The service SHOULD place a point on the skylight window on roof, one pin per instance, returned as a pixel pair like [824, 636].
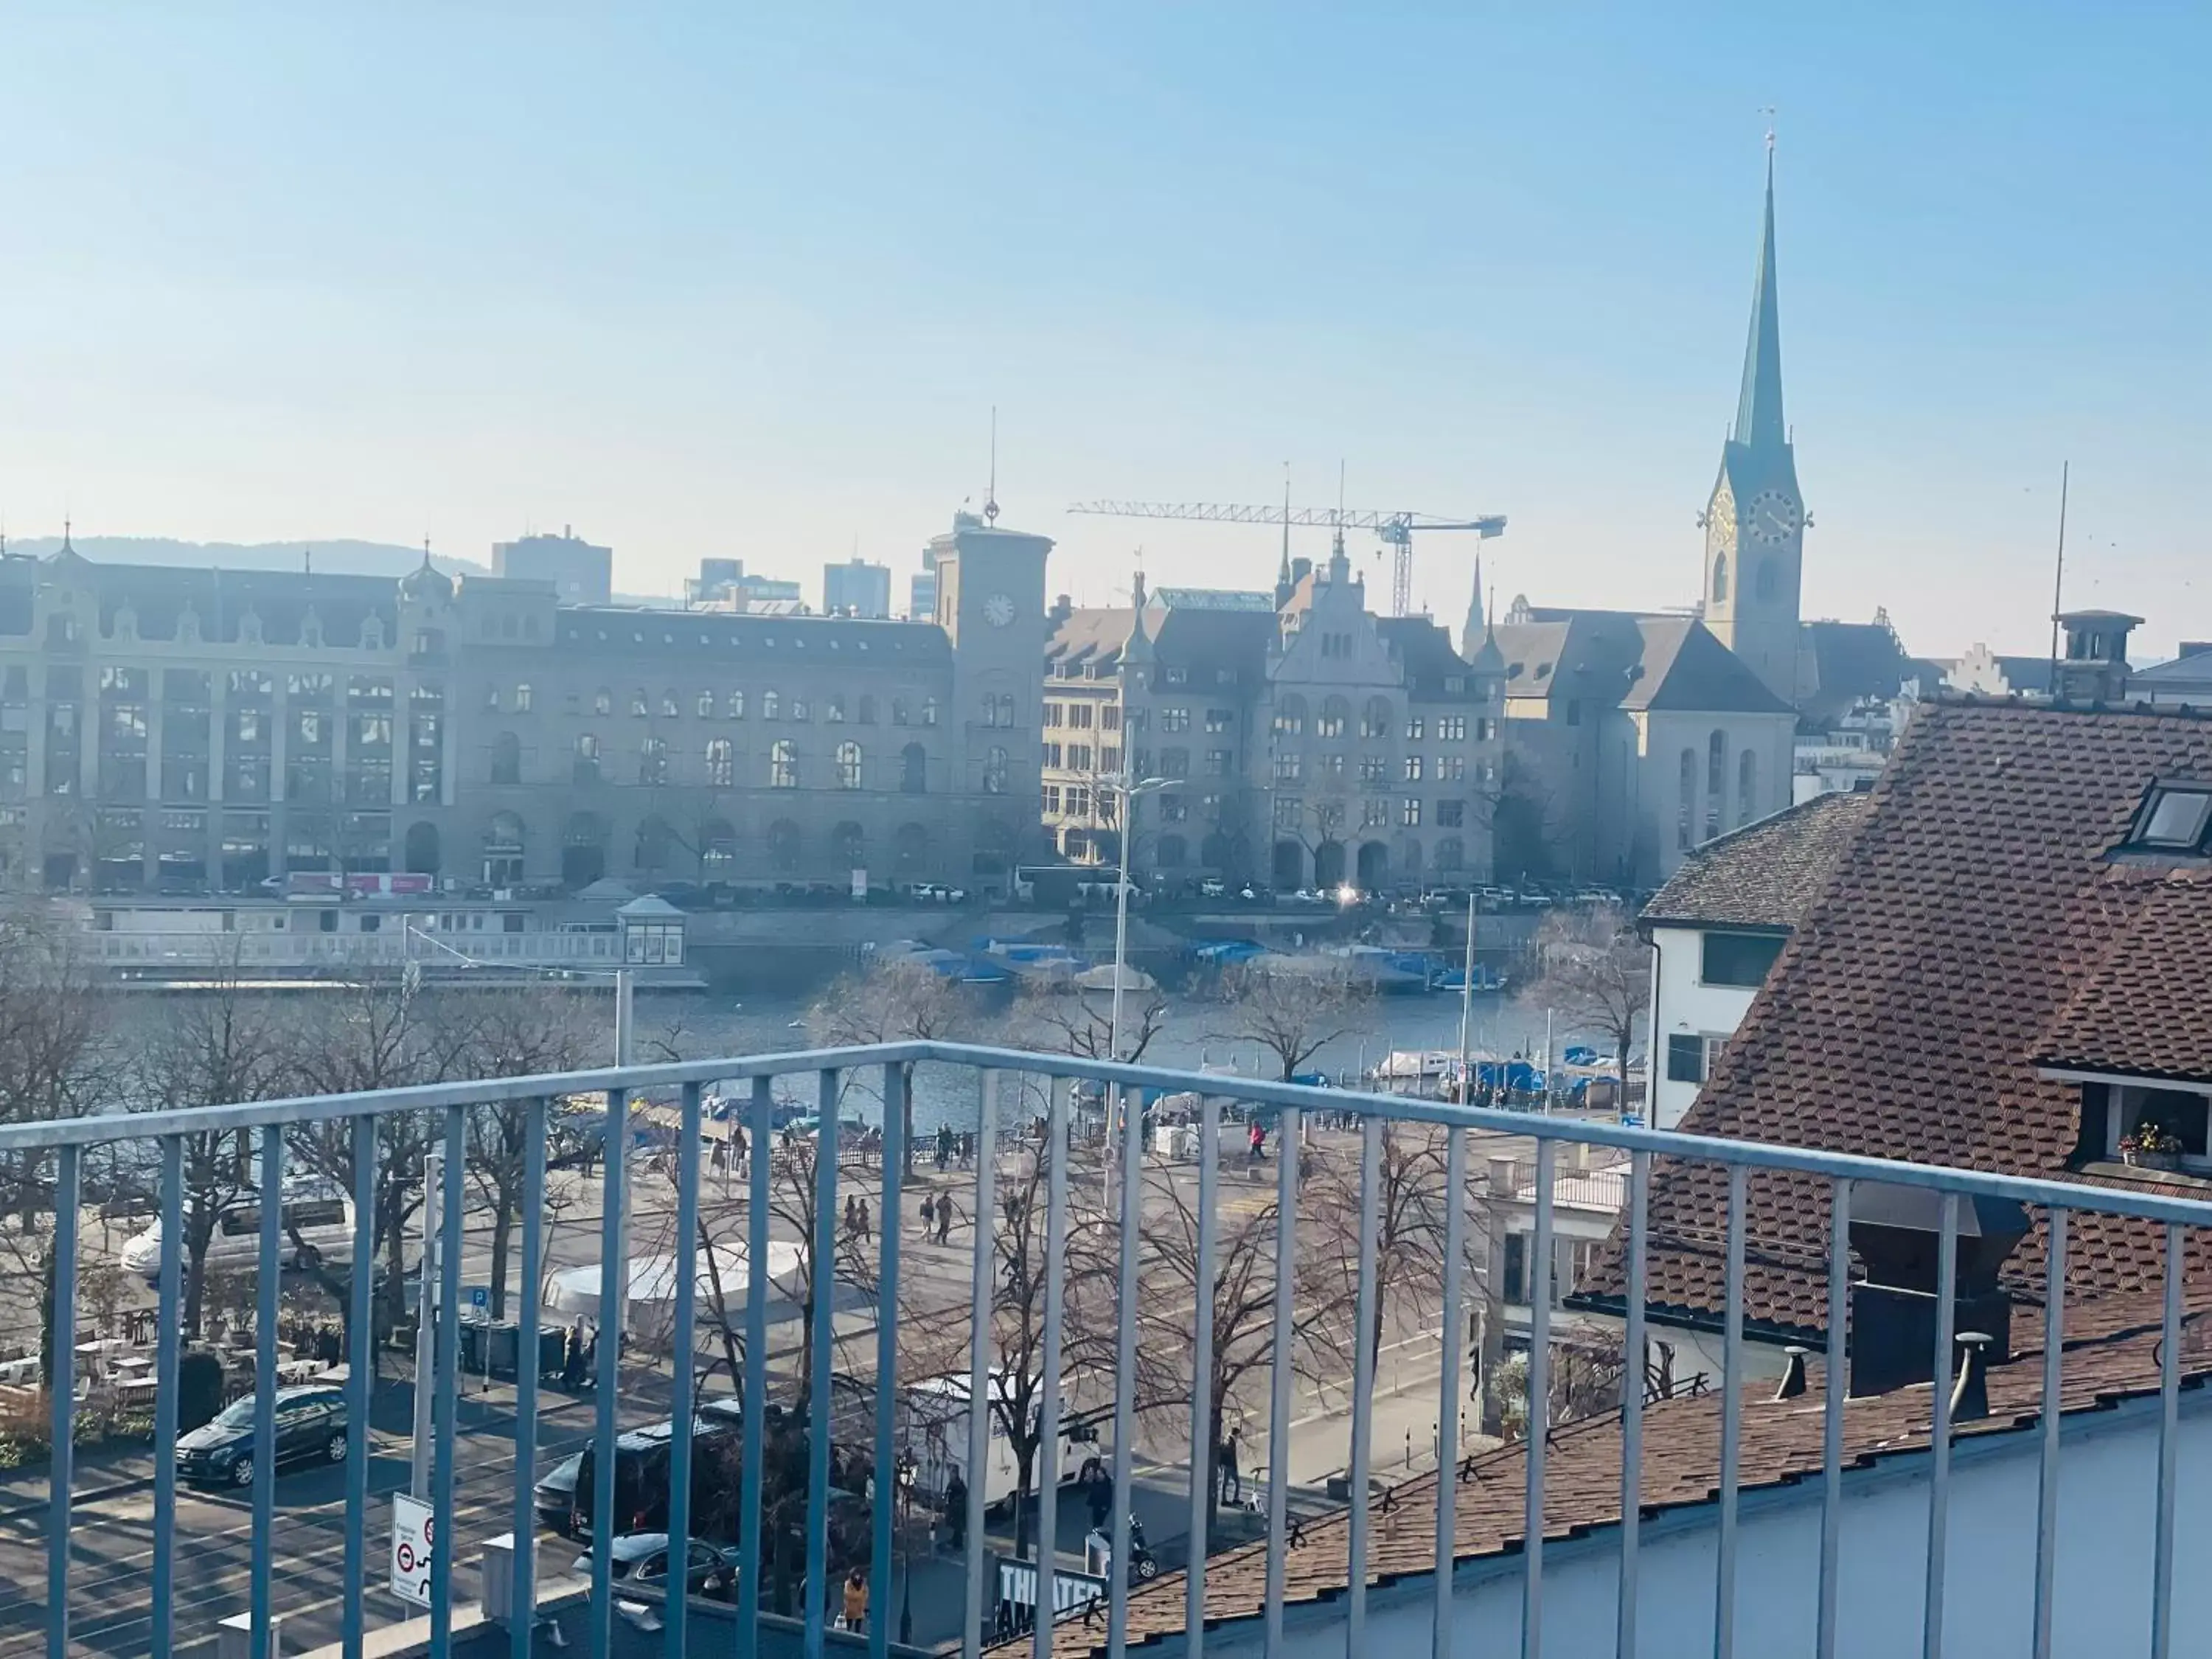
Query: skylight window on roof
[2175, 819]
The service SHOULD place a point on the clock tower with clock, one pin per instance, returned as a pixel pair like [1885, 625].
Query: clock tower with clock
[990, 602]
[1755, 521]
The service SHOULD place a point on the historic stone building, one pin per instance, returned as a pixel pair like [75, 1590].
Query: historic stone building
[202, 731]
[1302, 740]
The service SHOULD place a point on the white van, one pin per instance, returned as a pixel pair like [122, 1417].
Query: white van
[936, 1410]
[320, 1212]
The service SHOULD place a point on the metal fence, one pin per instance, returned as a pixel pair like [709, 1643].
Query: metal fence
[59, 1150]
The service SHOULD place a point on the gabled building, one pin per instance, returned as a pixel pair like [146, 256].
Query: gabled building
[1718, 925]
[1633, 739]
[2004, 971]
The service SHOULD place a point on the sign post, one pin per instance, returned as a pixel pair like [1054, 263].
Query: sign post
[480, 1304]
[413, 1538]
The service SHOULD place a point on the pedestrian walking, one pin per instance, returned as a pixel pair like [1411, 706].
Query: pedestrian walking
[943, 1146]
[955, 1511]
[856, 1600]
[1258, 1141]
[1232, 1477]
[866, 1223]
[943, 1220]
[928, 1214]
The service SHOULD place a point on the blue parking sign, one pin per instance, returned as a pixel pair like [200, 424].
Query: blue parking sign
[479, 1297]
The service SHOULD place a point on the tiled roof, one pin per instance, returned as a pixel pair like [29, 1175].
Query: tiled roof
[2110, 1354]
[1091, 634]
[1634, 661]
[1425, 653]
[656, 632]
[1907, 1015]
[1767, 874]
[2147, 1008]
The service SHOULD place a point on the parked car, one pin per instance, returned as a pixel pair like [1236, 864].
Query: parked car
[316, 1224]
[1212, 887]
[311, 1428]
[642, 1557]
[553, 1497]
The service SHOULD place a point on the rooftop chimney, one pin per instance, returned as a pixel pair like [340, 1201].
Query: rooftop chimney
[2094, 668]
[1300, 569]
[1895, 1231]
[1062, 609]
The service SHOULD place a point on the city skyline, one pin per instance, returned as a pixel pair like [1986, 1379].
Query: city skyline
[542, 283]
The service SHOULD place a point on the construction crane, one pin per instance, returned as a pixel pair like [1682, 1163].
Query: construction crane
[1396, 529]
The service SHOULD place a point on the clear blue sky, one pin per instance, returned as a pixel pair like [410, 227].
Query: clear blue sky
[699, 284]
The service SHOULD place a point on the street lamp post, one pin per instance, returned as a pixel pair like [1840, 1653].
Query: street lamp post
[1119, 783]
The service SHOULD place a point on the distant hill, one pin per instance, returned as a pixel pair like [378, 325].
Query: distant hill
[338, 557]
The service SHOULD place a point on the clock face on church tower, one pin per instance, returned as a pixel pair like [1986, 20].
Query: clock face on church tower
[1774, 517]
[998, 611]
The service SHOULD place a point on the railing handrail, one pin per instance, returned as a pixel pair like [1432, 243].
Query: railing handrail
[1712, 1149]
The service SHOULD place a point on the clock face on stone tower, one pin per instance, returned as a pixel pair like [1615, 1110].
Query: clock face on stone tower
[1774, 517]
[998, 611]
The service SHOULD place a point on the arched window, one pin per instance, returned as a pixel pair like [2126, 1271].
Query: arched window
[929, 711]
[654, 842]
[522, 698]
[783, 765]
[899, 712]
[1720, 578]
[909, 849]
[833, 712]
[722, 763]
[913, 769]
[507, 759]
[994, 771]
[1685, 817]
[641, 705]
[653, 761]
[1747, 786]
[1291, 716]
[588, 758]
[669, 708]
[733, 706]
[603, 701]
[783, 846]
[866, 711]
[849, 846]
[705, 705]
[718, 850]
[1762, 582]
[770, 705]
[1376, 721]
[1716, 782]
[1335, 713]
[848, 766]
[1451, 854]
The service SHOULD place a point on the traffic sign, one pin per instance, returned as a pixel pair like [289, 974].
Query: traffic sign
[479, 1296]
[412, 1541]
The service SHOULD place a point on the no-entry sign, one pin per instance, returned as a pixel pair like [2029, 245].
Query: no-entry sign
[412, 1537]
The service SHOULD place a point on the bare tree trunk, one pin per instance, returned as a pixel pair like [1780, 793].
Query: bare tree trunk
[502, 1234]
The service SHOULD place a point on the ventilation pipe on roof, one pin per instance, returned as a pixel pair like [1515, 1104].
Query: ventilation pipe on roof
[1793, 1379]
[1895, 1231]
[1970, 1394]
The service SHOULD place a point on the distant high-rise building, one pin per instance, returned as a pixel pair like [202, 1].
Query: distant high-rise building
[856, 589]
[580, 573]
[723, 582]
[921, 590]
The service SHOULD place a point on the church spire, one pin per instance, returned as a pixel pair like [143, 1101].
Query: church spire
[1758, 424]
[1284, 587]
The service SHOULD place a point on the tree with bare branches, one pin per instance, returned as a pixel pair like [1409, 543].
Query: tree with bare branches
[1293, 1014]
[888, 1002]
[223, 1044]
[1247, 1280]
[1595, 975]
[1410, 1195]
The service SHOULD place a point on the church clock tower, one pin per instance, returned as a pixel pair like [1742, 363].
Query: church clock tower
[1755, 521]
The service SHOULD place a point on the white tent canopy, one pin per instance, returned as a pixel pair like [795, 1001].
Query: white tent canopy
[1100, 978]
[653, 1280]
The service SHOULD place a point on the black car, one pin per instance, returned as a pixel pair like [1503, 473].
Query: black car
[554, 1497]
[311, 1428]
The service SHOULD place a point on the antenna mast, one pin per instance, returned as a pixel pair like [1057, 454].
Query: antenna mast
[991, 494]
[2058, 580]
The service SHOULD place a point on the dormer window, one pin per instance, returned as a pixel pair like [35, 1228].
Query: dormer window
[2175, 819]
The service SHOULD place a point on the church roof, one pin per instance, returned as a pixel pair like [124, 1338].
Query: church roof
[1634, 662]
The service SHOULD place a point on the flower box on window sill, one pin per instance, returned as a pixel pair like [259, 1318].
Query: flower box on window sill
[2151, 1160]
